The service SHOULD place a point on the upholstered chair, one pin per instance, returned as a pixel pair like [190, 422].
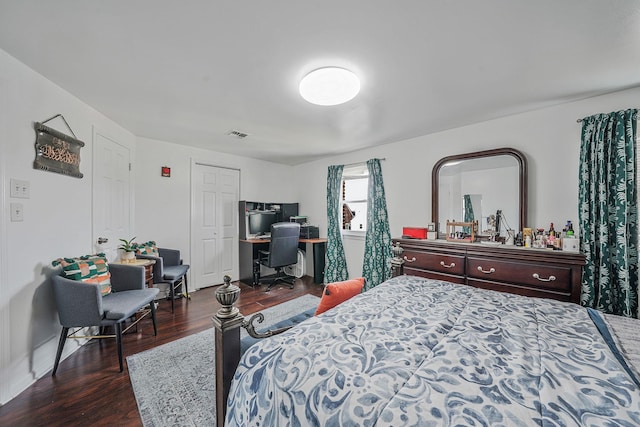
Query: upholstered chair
[82, 305]
[169, 269]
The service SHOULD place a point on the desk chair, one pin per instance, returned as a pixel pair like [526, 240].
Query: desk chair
[283, 251]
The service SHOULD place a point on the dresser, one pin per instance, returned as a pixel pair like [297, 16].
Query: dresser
[525, 271]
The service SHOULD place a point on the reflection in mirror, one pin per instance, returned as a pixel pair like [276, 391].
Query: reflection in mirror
[472, 207]
[475, 186]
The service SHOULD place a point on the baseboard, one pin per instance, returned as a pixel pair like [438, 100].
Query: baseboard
[23, 373]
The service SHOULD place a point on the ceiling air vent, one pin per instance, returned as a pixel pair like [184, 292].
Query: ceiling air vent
[237, 134]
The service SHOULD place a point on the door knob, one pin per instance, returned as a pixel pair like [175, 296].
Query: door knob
[102, 240]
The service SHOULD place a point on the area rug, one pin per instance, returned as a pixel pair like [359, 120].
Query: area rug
[174, 383]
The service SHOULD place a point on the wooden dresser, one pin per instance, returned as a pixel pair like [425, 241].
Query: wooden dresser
[525, 271]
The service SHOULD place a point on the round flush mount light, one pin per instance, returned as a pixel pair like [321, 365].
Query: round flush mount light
[329, 86]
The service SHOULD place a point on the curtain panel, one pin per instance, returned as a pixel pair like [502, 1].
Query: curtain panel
[468, 212]
[608, 208]
[336, 262]
[376, 267]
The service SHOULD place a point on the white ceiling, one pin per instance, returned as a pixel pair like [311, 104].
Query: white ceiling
[190, 71]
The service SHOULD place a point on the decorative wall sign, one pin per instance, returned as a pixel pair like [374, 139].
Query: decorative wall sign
[166, 171]
[57, 152]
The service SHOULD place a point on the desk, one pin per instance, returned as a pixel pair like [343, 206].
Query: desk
[249, 252]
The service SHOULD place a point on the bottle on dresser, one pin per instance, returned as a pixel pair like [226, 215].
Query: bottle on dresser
[570, 229]
[569, 242]
[551, 240]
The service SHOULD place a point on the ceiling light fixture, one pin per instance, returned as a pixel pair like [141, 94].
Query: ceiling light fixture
[329, 86]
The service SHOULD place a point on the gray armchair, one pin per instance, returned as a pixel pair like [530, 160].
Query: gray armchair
[283, 251]
[169, 269]
[81, 305]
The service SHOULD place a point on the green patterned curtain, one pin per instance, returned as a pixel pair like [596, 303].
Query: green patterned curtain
[336, 262]
[468, 212]
[608, 213]
[376, 267]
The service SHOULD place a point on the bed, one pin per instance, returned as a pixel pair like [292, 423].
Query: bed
[415, 351]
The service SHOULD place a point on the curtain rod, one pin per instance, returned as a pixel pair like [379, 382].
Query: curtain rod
[579, 120]
[361, 163]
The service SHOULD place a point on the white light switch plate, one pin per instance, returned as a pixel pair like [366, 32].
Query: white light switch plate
[17, 212]
[19, 189]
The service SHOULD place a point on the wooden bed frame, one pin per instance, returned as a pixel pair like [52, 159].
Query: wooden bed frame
[227, 323]
[426, 259]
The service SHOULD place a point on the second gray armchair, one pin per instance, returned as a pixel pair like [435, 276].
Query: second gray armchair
[169, 269]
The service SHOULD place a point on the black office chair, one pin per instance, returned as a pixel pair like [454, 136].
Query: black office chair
[283, 251]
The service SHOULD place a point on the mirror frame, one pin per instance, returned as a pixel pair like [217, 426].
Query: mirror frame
[520, 158]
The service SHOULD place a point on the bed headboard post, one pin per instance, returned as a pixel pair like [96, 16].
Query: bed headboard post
[226, 323]
[397, 261]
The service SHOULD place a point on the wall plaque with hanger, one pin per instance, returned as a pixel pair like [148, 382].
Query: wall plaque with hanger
[55, 151]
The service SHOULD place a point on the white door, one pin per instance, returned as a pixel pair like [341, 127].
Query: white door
[111, 195]
[214, 224]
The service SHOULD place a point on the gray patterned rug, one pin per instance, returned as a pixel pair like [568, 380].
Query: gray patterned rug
[174, 383]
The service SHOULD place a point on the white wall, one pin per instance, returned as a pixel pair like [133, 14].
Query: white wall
[163, 204]
[57, 219]
[57, 216]
[549, 138]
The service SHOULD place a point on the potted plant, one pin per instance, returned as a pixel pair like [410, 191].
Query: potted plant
[128, 251]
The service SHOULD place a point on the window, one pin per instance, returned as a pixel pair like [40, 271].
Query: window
[355, 182]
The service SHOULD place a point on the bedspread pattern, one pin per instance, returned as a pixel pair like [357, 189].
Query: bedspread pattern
[419, 352]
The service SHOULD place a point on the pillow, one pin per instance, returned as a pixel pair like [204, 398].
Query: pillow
[87, 269]
[338, 292]
[148, 248]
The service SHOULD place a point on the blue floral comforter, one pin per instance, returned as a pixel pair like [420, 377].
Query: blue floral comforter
[419, 352]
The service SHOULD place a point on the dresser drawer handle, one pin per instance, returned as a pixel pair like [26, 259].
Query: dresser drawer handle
[550, 279]
[491, 270]
[413, 259]
[453, 264]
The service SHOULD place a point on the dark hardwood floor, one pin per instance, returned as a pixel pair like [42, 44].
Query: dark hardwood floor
[88, 388]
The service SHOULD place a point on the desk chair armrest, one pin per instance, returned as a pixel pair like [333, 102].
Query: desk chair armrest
[79, 304]
[126, 277]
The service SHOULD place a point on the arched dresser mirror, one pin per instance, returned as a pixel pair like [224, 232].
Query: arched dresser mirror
[474, 186]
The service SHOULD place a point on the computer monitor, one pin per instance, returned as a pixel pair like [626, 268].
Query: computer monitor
[259, 223]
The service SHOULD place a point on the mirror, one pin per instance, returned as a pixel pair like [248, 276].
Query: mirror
[476, 186]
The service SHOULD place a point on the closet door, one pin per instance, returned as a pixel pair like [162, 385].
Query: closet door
[214, 224]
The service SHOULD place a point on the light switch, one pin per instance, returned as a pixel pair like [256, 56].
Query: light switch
[20, 189]
[17, 212]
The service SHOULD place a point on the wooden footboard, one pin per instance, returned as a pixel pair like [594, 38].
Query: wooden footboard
[227, 348]
[227, 323]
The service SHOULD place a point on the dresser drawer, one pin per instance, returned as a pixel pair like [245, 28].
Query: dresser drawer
[435, 275]
[554, 277]
[448, 264]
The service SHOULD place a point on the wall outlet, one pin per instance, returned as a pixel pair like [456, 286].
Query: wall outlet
[20, 189]
[17, 212]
